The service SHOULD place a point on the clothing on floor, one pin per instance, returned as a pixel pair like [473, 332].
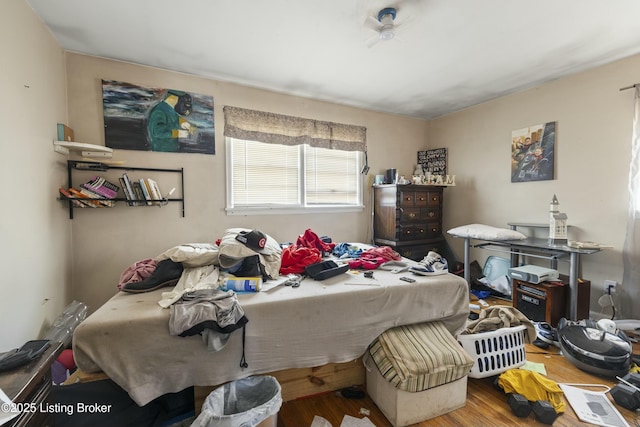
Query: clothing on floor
[533, 386]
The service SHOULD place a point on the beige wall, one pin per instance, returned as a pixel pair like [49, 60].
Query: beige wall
[105, 242]
[36, 253]
[593, 142]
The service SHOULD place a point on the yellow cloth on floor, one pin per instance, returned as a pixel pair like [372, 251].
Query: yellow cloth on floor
[533, 386]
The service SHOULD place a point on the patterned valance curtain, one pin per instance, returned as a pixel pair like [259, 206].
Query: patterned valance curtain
[273, 128]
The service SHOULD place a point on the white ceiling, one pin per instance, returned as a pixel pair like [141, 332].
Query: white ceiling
[452, 53]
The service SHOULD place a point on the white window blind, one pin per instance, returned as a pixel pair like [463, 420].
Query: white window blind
[266, 175]
[331, 176]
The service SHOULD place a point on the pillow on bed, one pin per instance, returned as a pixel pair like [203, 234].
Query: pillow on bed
[486, 232]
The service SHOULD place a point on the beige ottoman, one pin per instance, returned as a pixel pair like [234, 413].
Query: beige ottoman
[417, 372]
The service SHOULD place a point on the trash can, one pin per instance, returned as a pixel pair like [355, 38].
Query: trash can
[249, 402]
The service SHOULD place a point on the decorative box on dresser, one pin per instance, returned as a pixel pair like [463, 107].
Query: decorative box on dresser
[409, 219]
[29, 388]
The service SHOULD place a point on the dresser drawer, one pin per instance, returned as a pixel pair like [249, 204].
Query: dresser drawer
[412, 232]
[434, 229]
[421, 198]
[407, 198]
[430, 214]
[433, 199]
[419, 231]
[419, 214]
[410, 214]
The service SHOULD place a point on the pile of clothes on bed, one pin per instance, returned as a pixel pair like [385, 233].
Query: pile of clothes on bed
[199, 302]
[241, 253]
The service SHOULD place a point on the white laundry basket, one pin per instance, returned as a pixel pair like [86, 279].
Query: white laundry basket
[495, 351]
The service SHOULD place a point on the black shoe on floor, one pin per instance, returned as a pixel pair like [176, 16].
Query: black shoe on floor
[167, 273]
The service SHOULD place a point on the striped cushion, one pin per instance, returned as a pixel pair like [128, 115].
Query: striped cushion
[418, 357]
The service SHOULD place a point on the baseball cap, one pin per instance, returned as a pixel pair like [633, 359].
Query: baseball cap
[254, 239]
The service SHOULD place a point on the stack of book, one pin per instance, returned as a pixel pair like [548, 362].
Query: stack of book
[96, 193]
[141, 192]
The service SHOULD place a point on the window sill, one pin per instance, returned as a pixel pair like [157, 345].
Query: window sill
[292, 211]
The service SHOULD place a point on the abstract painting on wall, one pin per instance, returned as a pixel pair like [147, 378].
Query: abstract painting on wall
[157, 119]
[532, 153]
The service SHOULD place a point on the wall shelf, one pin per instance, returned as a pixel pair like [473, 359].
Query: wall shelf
[87, 150]
[82, 165]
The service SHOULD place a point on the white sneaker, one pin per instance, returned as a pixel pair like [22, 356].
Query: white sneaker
[431, 265]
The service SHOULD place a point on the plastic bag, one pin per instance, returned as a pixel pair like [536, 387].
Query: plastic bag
[63, 327]
[241, 403]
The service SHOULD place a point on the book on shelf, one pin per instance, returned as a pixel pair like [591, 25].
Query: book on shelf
[72, 199]
[146, 191]
[102, 187]
[89, 201]
[128, 189]
[156, 194]
[65, 133]
[123, 185]
[139, 195]
[102, 201]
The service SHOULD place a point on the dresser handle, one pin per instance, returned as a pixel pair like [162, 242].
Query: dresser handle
[412, 215]
[432, 214]
[422, 199]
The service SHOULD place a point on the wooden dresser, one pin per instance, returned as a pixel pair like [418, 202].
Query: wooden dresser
[29, 387]
[409, 219]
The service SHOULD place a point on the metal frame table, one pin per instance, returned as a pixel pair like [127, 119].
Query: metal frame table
[539, 248]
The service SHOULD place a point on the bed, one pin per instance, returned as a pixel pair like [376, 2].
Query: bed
[318, 323]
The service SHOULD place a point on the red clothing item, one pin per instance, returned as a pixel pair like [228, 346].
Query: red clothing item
[384, 252]
[295, 258]
[310, 239]
[374, 257]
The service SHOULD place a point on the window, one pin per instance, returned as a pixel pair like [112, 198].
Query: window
[277, 178]
[278, 163]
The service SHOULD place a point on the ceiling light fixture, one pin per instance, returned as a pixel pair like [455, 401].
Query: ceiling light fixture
[386, 17]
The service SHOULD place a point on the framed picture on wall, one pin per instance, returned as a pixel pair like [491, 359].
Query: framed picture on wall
[157, 119]
[532, 153]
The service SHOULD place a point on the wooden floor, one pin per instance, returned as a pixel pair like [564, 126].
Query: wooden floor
[485, 405]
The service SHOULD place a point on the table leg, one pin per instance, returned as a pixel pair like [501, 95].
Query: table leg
[467, 273]
[515, 257]
[574, 262]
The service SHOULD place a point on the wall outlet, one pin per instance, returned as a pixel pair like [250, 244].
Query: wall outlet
[609, 286]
